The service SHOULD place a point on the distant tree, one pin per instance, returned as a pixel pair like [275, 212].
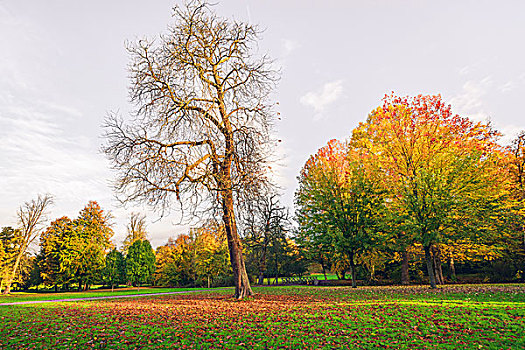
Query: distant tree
[3, 264]
[166, 270]
[284, 259]
[199, 258]
[211, 252]
[316, 247]
[265, 222]
[339, 197]
[87, 250]
[53, 241]
[75, 250]
[140, 263]
[136, 230]
[115, 270]
[31, 216]
[200, 131]
[34, 277]
[9, 246]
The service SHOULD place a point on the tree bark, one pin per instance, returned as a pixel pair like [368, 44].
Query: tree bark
[430, 268]
[240, 277]
[439, 265]
[405, 277]
[352, 271]
[262, 268]
[434, 264]
[452, 268]
[324, 271]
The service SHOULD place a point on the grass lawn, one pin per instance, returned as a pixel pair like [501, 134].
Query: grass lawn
[306, 317]
[22, 296]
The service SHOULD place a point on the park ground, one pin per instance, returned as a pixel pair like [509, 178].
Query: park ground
[284, 317]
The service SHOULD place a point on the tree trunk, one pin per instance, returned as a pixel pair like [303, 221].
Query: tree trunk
[262, 262]
[260, 278]
[405, 277]
[208, 281]
[434, 263]
[452, 268]
[138, 287]
[324, 271]
[439, 265]
[80, 285]
[430, 268]
[240, 277]
[112, 285]
[262, 268]
[352, 271]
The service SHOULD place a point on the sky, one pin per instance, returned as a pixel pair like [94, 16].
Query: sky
[63, 68]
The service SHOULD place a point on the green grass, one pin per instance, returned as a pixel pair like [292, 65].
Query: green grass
[22, 296]
[292, 317]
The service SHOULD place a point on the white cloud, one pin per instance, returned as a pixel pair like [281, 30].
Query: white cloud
[507, 87]
[469, 102]
[509, 133]
[323, 97]
[472, 103]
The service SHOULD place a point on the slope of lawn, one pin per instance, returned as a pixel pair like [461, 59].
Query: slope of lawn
[455, 317]
[22, 296]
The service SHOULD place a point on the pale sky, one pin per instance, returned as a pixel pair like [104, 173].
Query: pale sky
[63, 67]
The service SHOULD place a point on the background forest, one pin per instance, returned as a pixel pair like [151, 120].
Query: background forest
[415, 195]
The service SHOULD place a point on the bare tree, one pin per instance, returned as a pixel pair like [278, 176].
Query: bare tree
[200, 128]
[136, 230]
[265, 221]
[31, 217]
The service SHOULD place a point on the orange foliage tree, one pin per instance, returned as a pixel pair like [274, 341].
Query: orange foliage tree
[442, 171]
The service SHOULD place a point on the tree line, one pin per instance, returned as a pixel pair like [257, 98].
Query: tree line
[72, 252]
[78, 253]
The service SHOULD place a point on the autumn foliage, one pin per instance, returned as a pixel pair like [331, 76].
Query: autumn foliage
[429, 177]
